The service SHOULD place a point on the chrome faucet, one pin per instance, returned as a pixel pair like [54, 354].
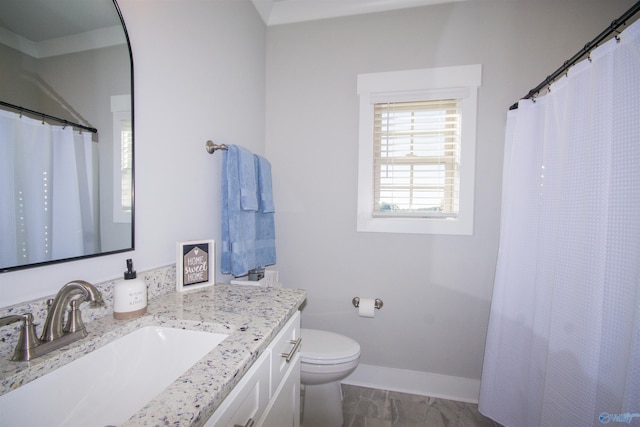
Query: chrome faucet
[55, 334]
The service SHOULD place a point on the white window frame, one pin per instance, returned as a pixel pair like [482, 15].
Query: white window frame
[461, 82]
[121, 111]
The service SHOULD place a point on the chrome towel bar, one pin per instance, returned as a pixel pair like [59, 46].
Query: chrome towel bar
[211, 147]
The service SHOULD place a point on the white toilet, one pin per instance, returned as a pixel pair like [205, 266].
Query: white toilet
[326, 358]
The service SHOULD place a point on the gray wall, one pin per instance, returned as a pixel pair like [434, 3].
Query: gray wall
[14, 87]
[436, 289]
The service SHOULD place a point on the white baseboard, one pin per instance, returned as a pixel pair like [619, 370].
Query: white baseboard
[414, 382]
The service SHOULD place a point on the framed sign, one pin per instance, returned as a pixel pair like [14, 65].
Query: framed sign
[195, 266]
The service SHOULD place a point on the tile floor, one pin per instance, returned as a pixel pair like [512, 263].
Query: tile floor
[366, 407]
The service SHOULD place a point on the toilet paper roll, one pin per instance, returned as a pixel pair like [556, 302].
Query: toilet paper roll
[367, 307]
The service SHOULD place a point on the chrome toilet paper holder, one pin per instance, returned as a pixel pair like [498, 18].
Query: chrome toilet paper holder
[377, 304]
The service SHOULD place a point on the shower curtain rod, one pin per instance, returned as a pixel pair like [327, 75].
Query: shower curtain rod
[584, 51]
[48, 117]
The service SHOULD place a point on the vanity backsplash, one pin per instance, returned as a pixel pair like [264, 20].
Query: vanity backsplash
[159, 281]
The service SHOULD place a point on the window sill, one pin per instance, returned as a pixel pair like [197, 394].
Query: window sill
[459, 226]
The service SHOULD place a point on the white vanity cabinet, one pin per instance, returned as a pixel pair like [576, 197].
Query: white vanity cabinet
[284, 407]
[269, 393]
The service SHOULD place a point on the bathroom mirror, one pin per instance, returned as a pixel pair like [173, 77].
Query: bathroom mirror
[66, 132]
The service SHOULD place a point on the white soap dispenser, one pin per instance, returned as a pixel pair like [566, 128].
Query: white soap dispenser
[129, 296]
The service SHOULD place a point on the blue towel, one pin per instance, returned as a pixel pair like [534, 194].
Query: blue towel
[265, 221]
[264, 185]
[247, 168]
[238, 225]
[248, 224]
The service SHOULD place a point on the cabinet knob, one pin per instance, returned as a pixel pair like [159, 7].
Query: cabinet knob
[289, 356]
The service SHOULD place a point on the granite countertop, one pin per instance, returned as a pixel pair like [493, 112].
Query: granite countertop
[251, 316]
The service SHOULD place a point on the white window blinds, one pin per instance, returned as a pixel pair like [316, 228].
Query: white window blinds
[416, 158]
[126, 164]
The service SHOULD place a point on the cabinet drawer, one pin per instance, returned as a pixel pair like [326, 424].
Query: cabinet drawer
[286, 343]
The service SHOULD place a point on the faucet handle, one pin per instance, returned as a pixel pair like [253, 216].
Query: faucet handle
[74, 320]
[8, 320]
[28, 339]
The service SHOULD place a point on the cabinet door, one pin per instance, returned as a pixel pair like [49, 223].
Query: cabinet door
[284, 407]
[247, 400]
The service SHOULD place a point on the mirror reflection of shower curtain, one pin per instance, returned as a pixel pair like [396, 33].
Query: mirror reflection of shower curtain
[46, 192]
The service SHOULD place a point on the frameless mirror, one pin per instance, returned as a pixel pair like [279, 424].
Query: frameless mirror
[66, 132]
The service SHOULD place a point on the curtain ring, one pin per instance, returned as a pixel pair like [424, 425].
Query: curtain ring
[614, 27]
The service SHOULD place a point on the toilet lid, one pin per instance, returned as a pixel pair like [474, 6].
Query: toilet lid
[327, 348]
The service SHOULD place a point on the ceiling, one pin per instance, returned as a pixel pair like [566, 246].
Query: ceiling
[39, 20]
[277, 12]
[32, 19]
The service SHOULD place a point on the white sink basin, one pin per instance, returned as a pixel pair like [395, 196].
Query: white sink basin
[110, 384]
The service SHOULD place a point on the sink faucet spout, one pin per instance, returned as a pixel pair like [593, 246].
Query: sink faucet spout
[78, 291]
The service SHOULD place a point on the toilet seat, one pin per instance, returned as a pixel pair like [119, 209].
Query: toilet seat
[327, 348]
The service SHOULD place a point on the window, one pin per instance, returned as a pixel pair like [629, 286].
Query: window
[417, 150]
[122, 158]
[416, 157]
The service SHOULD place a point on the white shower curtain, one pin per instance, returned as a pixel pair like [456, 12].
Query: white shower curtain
[563, 346]
[46, 199]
